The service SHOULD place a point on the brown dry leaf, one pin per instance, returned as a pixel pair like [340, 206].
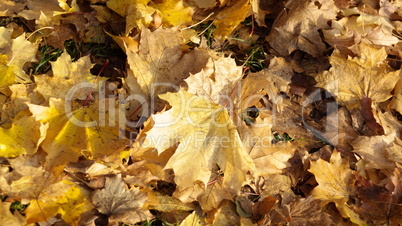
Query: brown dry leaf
[166, 203]
[396, 102]
[378, 204]
[25, 178]
[375, 150]
[308, 211]
[334, 184]
[207, 136]
[159, 64]
[351, 79]
[230, 17]
[296, 28]
[257, 139]
[10, 7]
[347, 33]
[119, 203]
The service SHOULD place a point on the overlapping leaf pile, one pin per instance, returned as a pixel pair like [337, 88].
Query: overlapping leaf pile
[186, 133]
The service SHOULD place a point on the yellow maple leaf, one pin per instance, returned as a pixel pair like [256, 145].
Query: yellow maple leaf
[64, 198]
[21, 138]
[174, 12]
[230, 17]
[91, 131]
[207, 137]
[334, 183]
[351, 79]
[68, 77]
[7, 73]
[140, 13]
[19, 51]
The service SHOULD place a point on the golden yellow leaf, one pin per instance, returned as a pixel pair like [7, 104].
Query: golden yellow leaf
[71, 80]
[21, 138]
[92, 131]
[193, 219]
[207, 138]
[19, 51]
[334, 184]
[64, 198]
[7, 73]
[350, 79]
[230, 17]
[174, 12]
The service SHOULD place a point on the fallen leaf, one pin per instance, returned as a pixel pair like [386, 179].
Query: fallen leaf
[119, 203]
[159, 65]
[19, 51]
[218, 81]
[216, 141]
[8, 218]
[334, 184]
[21, 138]
[70, 80]
[230, 17]
[64, 198]
[308, 211]
[92, 131]
[350, 79]
[296, 28]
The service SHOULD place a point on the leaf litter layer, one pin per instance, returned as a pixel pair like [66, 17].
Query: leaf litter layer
[250, 112]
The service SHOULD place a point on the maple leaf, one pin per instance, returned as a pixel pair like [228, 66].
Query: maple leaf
[141, 13]
[21, 138]
[218, 81]
[297, 27]
[159, 64]
[8, 218]
[64, 198]
[377, 203]
[308, 211]
[19, 51]
[85, 130]
[119, 203]
[351, 79]
[334, 184]
[230, 17]
[21, 95]
[70, 79]
[376, 150]
[207, 137]
[347, 33]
